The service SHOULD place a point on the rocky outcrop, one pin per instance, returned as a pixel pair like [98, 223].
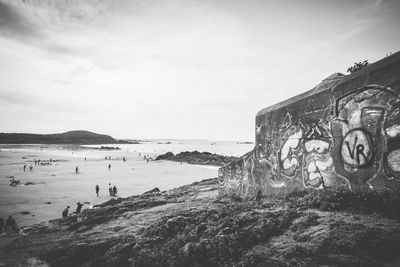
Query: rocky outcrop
[196, 157]
[193, 226]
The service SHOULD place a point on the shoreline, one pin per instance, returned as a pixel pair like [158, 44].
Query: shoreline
[44, 192]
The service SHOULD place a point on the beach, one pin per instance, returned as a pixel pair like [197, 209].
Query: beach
[44, 192]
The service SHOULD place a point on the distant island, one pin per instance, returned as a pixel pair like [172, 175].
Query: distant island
[71, 137]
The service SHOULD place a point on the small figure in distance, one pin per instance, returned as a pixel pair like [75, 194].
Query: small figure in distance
[65, 212]
[85, 158]
[109, 166]
[25, 167]
[78, 207]
[35, 162]
[30, 167]
[1, 225]
[10, 224]
[76, 169]
[114, 190]
[110, 189]
[97, 190]
[124, 159]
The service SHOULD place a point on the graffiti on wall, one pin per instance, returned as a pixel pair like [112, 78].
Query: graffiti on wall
[350, 147]
[362, 120]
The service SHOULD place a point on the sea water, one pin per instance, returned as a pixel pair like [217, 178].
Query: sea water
[44, 191]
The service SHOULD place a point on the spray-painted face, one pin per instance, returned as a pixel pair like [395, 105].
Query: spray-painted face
[318, 163]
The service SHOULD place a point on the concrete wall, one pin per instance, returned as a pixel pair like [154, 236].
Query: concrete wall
[345, 132]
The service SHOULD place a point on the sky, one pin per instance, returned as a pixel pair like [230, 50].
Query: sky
[192, 69]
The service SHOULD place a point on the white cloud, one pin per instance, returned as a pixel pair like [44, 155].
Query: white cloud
[134, 67]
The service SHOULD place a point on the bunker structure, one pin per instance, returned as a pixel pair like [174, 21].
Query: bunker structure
[343, 133]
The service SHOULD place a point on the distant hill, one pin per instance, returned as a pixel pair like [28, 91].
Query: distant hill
[72, 137]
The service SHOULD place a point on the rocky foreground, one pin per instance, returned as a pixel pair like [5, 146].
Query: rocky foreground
[196, 157]
[193, 226]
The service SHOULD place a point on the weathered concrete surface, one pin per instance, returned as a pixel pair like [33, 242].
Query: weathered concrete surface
[345, 132]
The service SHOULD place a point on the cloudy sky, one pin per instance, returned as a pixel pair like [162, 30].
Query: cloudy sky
[175, 68]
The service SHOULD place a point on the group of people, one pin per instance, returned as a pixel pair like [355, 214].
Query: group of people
[8, 225]
[78, 210]
[112, 190]
[37, 163]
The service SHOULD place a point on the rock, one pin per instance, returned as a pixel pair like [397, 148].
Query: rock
[196, 157]
[118, 228]
[152, 191]
[190, 249]
[165, 156]
[292, 230]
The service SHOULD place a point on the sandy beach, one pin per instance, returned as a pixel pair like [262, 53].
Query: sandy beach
[44, 192]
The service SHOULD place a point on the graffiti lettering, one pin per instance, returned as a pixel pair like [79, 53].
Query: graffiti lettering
[356, 148]
[359, 149]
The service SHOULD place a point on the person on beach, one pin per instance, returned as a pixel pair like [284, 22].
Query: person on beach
[109, 166]
[114, 190]
[25, 167]
[65, 212]
[110, 189]
[79, 207]
[10, 224]
[35, 162]
[1, 225]
[97, 190]
[76, 169]
[85, 158]
[30, 168]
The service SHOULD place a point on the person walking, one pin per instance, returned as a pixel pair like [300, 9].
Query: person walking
[115, 191]
[110, 189]
[79, 207]
[25, 167]
[1, 225]
[97, 190]
[65, 212]
[76, 169]
[109, 166]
